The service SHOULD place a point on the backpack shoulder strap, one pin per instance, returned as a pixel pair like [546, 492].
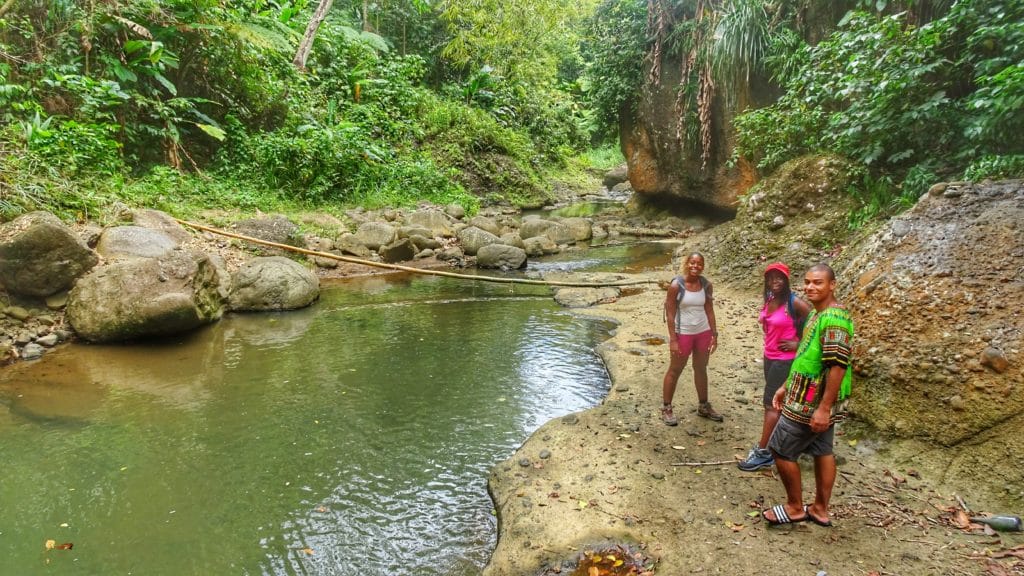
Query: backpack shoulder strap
[791, 309]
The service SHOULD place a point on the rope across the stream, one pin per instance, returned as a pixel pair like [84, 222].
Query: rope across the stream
[355, 260]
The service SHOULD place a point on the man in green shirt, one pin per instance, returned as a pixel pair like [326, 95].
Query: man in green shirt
[818, 380]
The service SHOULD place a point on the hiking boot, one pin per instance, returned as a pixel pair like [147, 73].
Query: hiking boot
[667, 416]
[706, 411]
[757, 459]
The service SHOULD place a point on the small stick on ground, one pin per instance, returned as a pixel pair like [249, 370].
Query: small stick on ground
[718, 463]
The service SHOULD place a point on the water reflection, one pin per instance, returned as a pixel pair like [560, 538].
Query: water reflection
[630, 257]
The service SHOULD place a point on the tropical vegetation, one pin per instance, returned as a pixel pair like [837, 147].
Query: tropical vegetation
[913, 92]
[284, 104]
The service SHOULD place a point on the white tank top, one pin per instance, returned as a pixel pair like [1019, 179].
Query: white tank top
[690, 316]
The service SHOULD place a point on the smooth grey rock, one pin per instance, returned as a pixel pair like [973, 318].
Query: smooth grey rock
[424, 243]
[32, 351]
[40, 256]
[134, 242]
[473, 239]
[350, 244]
[512, 239]
[501, 256]
[143, 297]
[17, 312]
[373, 235]
[455, 211]
[272, 283]
[162, 221]
[486, 224]
[580, 229]
[410, 231]
[539, 246]
[451, 253]
[57, 301]
[276, 229]
[532, 227]
[439, 223]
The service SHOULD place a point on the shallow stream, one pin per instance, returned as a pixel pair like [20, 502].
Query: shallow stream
[352, 437]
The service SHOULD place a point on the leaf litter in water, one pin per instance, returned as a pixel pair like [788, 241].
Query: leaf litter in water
[616, 560]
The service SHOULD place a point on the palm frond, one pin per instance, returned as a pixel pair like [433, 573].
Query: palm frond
[740, 42]
[266, 34]
[373, 41]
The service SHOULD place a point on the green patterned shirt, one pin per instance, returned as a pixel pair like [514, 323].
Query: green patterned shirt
[827, 341]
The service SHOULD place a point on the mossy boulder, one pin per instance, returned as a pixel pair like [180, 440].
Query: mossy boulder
[795, 215]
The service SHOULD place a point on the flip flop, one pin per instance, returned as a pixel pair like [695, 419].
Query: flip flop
[781, 517]
[815, 519]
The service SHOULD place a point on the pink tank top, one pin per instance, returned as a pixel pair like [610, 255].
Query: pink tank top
[778, 326]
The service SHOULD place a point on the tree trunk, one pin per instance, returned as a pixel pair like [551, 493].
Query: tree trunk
[307, 39]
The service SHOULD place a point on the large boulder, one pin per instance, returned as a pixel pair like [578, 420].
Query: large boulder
[558, 232]
[400, 250]
[349, 244]
[531, 227]
[134, 242]
[501, 256]
[373, 235]
[424, 243]
[162, 221]
[580, 229]
[539, 246]
[276, 229]
[272, 283]
[615, 176]
[513, 239]
[40, 256]
[143, 297]
[485, 223]
[937, 355]
[439, 223]
[473, 239]
[933, 295]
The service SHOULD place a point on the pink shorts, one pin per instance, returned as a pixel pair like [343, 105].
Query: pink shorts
[690, 342]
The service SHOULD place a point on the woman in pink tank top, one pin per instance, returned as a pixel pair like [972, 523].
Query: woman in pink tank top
[780, 318]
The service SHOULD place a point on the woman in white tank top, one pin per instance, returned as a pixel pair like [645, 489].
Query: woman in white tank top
[692, 329]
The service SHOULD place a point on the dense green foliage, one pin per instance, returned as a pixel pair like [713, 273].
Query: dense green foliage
[912, 104]
[99, 99]
[197, 103]
[913, 91]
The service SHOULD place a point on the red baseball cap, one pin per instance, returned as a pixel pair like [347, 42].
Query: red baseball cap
[777, 266]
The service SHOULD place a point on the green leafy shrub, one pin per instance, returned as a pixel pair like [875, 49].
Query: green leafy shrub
[912, 104]
[616, 52]
[492, 161]
[995, 167]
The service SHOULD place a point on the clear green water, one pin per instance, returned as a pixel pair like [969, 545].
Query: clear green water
[353, 437]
